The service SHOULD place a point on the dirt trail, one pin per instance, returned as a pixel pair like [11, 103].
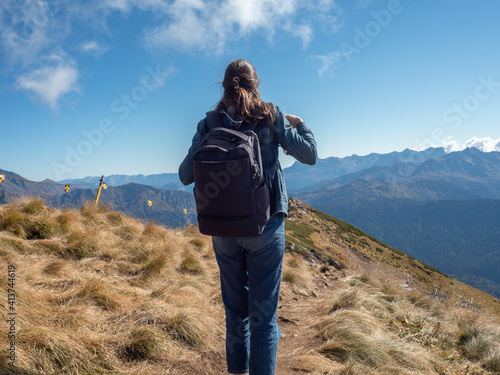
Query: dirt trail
[297, 310]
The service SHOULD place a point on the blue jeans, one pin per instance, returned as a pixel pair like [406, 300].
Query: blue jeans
[250, 272]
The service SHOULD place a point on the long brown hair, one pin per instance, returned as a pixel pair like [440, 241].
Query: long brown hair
[242, 93]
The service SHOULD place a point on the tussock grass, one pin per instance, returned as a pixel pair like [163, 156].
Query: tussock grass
[198, 243]
[370, 329]
[94, 290]
[289, 276]
[492, 362]
[181, 325]
[102, 293]
[116, 219]
[478, 340]
[26, 220]
[9, 243]
[190, 264]
[54, 352]
[354, 335]
[80, 245]
[346, 299]
[295, 271]
[154, 266]
[34, 206]
[315, 364]
[295, 262]
[55, 268]
[141, 344]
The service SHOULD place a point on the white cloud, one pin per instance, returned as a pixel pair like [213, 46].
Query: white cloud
[251, 15]
[49, 83]
[363, 3]
[25, 29]
[32, 33]
[92, 47]
[328, 62]
[485, 144]
[210, 24]
[191, 23]
[449, 146]
[127, 5]
[303, 32]
[34, 26]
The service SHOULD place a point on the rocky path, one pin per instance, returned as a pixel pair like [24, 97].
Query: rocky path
[297, 311]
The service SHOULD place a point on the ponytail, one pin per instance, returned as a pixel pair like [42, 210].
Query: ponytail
[241, 91]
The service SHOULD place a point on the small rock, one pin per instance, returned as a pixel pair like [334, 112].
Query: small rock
[302, 292]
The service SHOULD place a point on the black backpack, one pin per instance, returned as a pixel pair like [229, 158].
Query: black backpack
[232, 197]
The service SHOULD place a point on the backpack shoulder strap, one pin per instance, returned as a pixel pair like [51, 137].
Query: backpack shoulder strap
[214, 120]
[252, 125]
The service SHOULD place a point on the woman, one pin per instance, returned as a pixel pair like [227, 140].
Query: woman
[251, 267]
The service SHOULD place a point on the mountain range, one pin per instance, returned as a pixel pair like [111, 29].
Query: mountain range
[441, 208]
[164, 181]
[167, 205]
[444, 210]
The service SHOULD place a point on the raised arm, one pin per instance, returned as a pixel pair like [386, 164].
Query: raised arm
[295, 137]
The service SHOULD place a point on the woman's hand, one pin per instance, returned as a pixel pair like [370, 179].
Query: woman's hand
[293, 120]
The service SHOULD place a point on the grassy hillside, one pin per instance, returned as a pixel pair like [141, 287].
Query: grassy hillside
[333, 237]
[97, 292]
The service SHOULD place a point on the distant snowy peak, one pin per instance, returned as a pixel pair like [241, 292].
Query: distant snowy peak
[485, 144]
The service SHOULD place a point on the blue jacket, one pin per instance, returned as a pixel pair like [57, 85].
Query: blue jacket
[298, 143]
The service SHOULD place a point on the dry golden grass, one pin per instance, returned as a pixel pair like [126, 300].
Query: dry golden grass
[295, 272]
[101, 293]
[372, 329]
[316, 364]
[98, 292]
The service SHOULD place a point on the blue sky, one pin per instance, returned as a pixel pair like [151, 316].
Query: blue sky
[118, 86]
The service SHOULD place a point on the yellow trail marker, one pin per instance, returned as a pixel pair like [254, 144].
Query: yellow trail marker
[66, 188]
[150, 203]
[98, 192]
[104, 185]
[2, 178]
[185, 211]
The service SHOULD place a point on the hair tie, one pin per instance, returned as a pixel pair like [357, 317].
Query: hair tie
[236, 81]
